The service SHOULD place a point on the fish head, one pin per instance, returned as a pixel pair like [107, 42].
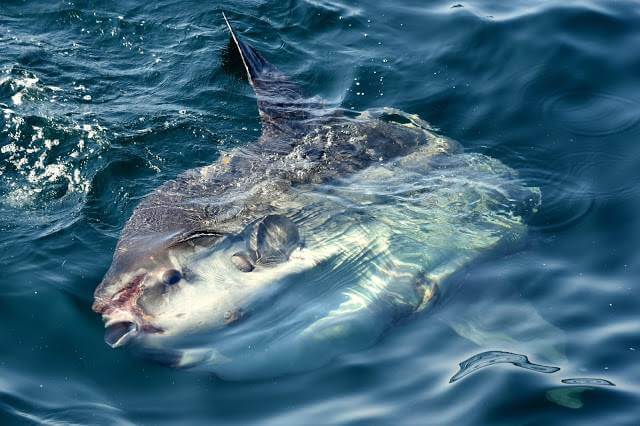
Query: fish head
[159, 290]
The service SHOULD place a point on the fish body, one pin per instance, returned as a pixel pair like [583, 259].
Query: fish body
[307, 244]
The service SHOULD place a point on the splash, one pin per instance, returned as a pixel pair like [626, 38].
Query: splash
[42, 153]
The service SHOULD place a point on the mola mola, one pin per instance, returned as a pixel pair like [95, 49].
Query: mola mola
[309, 243]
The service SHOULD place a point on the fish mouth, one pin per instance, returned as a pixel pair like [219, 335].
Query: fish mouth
[122, 327]
[120, 333]
[124, 319]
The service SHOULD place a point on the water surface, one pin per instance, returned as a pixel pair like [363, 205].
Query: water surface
[103, 101]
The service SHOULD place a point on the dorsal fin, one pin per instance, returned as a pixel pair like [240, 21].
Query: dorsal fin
[282, 105]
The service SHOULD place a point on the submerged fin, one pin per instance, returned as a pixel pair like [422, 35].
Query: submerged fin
[569, 397]
[283, 108]
[520, 328]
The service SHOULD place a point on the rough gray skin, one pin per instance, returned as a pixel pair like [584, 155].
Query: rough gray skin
[224, 197]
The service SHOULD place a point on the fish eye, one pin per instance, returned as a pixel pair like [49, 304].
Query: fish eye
[242, 262]
[171, 276]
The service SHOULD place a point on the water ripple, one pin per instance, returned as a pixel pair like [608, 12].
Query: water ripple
[565, 199]
[549, 88]
[587, 381]
[589, 113]
[486, 359]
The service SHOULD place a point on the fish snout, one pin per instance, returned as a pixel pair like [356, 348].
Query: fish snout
[99, 305]
[123, 319]
[110, 294]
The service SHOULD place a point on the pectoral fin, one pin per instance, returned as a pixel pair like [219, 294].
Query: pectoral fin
[273, 239]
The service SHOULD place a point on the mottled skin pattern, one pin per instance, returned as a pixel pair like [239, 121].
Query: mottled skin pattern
[185, 202]
[237, 189]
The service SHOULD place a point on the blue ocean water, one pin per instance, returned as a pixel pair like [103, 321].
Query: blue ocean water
[104, 101]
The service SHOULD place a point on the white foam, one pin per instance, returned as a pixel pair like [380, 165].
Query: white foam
[29, 166]
[9, 148]
[17, 99]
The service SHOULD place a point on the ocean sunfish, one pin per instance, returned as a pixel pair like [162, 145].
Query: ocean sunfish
[307, 244]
